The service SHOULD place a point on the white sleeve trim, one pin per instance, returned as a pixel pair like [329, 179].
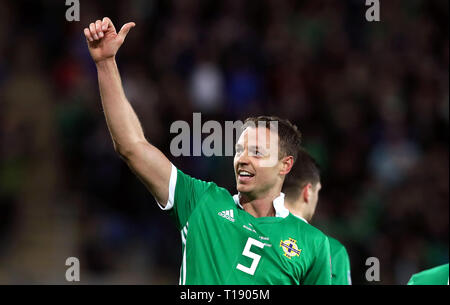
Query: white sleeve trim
[172, 184]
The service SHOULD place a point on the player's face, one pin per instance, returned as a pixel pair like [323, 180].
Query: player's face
[256, 163]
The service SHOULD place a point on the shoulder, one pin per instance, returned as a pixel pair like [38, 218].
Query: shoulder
[184, 178]
[308, 230]
[422, 276]
[336, 245]
[334, 241]
[206, 187]
[438, 269]
[218, 191]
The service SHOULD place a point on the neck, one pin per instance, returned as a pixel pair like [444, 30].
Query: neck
[259, 207]
[296, 208]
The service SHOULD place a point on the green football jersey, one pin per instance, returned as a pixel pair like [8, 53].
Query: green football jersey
[434, 276]
[340, 263]
[224, 245]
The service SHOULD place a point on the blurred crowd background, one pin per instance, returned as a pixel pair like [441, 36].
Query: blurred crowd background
[371, 100]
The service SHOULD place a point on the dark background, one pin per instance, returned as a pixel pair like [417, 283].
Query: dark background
[370, 98]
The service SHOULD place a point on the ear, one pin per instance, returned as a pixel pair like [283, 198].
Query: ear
[306, 193]
[286, 165]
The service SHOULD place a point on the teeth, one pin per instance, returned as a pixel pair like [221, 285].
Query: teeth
[244, 173]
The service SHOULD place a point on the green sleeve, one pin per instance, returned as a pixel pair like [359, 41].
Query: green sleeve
[340, 264]
[186, 195]
[435, 276]
[320, 270]
[412, 280]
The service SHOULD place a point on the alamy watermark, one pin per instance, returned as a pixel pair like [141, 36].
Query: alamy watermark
[373, 272]
[73, 272]
[373, 12]
[73, 12]
[221, 141]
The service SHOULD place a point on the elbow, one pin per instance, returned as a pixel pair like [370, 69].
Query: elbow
[120, 150]
[124, 151]
[127, 151]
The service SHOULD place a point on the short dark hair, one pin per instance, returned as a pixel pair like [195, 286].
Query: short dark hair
[305, 170]
[289, 136]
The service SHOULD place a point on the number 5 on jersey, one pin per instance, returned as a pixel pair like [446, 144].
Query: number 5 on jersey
[254, 256]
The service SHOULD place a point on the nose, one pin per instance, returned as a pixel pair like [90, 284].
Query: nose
[243, 158]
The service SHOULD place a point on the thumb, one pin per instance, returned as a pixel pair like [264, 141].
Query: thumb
[125, 29]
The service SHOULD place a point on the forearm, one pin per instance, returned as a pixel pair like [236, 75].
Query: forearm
[122, 121]
[149, 164]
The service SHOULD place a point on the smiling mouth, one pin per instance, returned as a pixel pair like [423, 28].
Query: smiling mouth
[244, 175]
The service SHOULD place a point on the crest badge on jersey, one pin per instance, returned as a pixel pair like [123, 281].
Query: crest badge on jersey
[290, 248]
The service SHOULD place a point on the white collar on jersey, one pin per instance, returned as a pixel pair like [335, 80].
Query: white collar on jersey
[278, 205]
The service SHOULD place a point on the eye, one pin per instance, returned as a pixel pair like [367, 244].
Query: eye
[260, 153]
[257, 153]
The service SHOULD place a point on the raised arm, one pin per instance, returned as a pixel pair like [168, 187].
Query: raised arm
[145, 160]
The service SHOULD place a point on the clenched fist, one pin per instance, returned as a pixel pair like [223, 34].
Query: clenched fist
[103, 40]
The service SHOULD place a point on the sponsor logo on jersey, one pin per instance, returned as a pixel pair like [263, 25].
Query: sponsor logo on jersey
[228, 214]
[290, 248]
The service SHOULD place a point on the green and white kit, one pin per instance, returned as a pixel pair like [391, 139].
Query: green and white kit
[224, 245]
